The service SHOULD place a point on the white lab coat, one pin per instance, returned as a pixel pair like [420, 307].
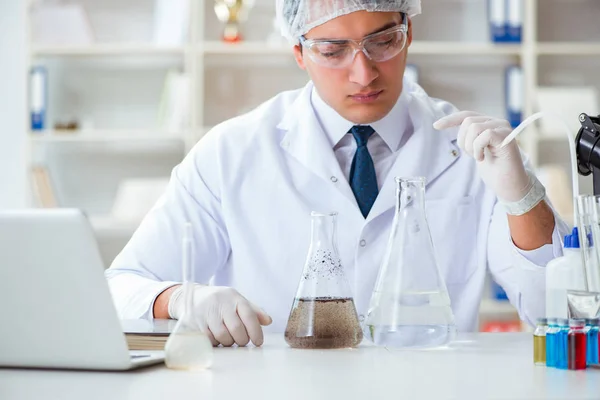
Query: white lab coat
[249, 186]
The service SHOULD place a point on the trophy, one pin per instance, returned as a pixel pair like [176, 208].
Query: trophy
[232, 13]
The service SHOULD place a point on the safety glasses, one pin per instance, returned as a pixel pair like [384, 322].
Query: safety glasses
[340, 53]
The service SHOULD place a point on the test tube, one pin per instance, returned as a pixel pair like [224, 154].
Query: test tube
[561, 344]
[592, 327]
[577, 354]
[551, 336]
[539, 342]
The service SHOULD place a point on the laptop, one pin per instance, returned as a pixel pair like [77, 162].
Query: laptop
[58, 308]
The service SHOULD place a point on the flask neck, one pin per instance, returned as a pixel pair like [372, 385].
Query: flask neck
[410, 194]
[323, 230]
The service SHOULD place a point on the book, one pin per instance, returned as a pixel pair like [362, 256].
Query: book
[143, 334]
[42, 187]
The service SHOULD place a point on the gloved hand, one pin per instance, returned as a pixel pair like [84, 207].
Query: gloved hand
[501, 169]
[224, 314]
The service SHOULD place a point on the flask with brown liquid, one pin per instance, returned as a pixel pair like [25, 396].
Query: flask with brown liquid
[323, 315]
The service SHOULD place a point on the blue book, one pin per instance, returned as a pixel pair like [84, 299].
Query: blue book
[514, 25]
[498, 20]
[38, 97]
[514, 95]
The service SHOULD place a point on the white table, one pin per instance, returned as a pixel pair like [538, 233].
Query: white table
[477, 366]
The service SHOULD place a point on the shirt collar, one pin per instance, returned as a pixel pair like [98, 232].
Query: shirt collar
[390, 128]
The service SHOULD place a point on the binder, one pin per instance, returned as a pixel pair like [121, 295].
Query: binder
[515, 20]
[38, 85]
[514, 95]
[497, 10]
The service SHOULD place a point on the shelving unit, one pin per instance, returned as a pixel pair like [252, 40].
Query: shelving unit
[117, 82]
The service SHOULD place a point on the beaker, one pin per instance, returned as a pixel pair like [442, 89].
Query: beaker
[410, 306]
[188, 347]
[323, 315]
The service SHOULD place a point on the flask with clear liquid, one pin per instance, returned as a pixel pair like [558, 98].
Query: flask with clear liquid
[410, 306]
[323, 315]
[188, 347]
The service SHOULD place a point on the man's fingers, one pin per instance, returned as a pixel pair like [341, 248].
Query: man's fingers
[236, 327]
[263, 317]
[480, 143]
[211, 337]
[453, 120]
[465, 128]
[251, 321]
[221, 334]
[474, 130]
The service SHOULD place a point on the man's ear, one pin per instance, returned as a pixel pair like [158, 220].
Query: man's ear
[299, 57]
[409, 33]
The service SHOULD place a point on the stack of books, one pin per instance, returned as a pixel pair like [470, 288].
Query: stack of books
[142, 334]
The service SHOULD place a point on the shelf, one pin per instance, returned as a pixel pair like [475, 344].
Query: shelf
[463, 48]
[417, 47]
[497, 307]
[254, 48]
[568, 48]
[126, 49]
[104, 136]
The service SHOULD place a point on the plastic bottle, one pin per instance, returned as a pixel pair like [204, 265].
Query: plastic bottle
[562, 274]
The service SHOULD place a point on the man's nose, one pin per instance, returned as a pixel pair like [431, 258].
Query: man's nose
[363, 70]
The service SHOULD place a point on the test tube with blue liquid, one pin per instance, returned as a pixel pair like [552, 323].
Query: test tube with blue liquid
[592, 327]
[561, 344]
[551, 337]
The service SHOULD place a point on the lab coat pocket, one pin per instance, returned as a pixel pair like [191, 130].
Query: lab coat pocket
[453, 224]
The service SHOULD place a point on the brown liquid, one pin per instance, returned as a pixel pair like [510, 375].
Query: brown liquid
[323, 323]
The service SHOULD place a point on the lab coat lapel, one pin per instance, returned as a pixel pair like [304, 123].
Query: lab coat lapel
[427, 152]
[308, 144]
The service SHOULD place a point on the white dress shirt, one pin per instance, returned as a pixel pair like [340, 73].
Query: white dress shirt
[384, 146]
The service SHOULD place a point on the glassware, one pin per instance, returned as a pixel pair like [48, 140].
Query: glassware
[539, 342]
[551, 342]
[232, 13]
[323, 315]
[410, 306]
[592, 327]
[562, 344]
[188, 347]
[577, 354]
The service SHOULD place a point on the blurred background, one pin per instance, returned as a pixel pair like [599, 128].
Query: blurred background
[100, 99]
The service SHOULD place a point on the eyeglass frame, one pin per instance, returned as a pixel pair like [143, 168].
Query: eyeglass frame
[358, 45]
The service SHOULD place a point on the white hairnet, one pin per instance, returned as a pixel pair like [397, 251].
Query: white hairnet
[296, 17]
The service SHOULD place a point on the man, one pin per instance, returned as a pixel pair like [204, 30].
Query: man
[249, 186]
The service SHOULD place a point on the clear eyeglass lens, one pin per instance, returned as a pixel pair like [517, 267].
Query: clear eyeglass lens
[340, 54]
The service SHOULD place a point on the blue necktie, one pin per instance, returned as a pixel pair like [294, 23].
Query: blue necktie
[363, 179]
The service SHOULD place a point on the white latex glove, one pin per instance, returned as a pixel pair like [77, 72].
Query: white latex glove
[501, 169]
[225, 315]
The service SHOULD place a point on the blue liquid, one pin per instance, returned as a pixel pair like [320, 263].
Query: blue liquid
[592, 346]
[562, 348]
[550, 349]
[412, 336]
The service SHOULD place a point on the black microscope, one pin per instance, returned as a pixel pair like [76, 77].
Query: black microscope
[587, 145]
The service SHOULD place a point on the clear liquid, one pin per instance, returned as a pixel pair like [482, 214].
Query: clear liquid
[191, 351]
[412, 320]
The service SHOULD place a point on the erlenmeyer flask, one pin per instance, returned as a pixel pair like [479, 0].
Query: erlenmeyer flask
[410, 306]
[188, 347]
[323, 315]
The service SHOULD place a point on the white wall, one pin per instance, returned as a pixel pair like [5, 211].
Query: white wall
[13, 114]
